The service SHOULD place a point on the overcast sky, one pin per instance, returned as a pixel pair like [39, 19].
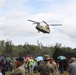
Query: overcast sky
[14, 25]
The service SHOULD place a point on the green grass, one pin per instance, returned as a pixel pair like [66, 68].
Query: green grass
[65, 73]
[9, 73]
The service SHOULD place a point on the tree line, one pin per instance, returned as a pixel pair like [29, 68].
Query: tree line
[9, 49]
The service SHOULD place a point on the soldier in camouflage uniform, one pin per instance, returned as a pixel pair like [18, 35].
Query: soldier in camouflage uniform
[13, 63]
[45, 68]
[20, 70]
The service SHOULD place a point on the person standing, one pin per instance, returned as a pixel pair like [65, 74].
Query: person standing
[3, 67]
[0, 68]
[61, 66]
[20, 70]
[72, 66]
[46, 67]
[13, 63]
[54, 64]
[31, 65]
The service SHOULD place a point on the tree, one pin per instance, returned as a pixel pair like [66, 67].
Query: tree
[8, 48]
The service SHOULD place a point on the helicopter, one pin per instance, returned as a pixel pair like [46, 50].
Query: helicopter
[43, 29]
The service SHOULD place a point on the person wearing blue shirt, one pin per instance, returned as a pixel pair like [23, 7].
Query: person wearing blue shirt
[3, 67]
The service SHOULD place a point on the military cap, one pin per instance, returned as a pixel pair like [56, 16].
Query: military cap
[46, 57]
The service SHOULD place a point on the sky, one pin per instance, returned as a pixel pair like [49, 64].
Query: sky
[14, 24]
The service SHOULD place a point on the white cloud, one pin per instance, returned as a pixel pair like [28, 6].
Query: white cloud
[46, 0]
[2, 2]
[14, 24]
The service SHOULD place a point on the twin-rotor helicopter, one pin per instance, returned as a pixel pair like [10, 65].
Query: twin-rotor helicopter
[43, 29]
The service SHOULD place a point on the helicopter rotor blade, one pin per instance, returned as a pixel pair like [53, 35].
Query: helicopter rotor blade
[56, 24]
[33, 21]
[45, 23]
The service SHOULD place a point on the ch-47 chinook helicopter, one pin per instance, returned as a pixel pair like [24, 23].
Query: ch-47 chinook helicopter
[43, 29]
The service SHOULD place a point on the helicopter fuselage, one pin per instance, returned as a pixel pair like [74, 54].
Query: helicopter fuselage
[44, 29]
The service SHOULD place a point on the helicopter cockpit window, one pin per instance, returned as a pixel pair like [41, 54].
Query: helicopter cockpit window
[47, 27]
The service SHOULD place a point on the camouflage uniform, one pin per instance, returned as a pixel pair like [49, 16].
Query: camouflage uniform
[45, 68]
[13, 64]
[19, 71]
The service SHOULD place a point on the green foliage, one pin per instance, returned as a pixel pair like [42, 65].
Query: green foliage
[9, 49]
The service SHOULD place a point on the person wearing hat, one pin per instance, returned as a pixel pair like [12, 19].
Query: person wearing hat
[72, 66]
[46, 67]
[20, 70]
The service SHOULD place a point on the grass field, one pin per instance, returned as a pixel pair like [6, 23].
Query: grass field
[9, 73]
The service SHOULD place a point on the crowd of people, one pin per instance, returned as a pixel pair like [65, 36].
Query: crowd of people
[47, 66]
